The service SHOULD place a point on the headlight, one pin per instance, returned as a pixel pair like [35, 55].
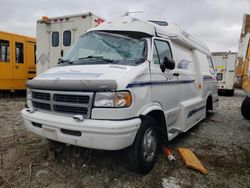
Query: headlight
[113, 99]
[29, 97]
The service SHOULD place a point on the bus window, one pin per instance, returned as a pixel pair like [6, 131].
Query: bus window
[4, 51]
[19, 52]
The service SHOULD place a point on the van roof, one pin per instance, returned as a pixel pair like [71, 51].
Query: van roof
[172, 31]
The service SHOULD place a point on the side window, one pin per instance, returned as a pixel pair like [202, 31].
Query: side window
[4, 51]
[211, 66]
[155, 56]
[55, 39]
[67, 38]
[19, 52]
[163, 49]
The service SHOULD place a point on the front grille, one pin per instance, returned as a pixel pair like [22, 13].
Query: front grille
[40, 105]
[78, 103]
[80, 99]
[41, 96]
[70, 109]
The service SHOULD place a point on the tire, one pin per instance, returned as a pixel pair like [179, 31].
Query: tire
[245, 108]
[209, 104]
[143, 152]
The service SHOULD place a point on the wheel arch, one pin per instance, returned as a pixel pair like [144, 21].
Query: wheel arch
[158, 116]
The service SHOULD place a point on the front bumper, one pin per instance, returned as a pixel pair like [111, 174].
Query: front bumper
[96, 134]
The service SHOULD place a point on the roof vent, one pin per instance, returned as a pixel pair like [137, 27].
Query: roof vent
[161, 23]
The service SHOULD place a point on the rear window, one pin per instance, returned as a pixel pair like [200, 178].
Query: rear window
[55, 39]
[219, 76]
[67, 38]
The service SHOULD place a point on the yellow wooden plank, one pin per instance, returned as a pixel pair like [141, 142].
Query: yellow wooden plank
[191, 160]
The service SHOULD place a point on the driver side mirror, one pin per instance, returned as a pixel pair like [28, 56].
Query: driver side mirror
[168, 63]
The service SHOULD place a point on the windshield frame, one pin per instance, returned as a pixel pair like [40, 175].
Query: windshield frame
[91, 60]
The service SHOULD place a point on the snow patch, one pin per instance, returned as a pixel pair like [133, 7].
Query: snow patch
[170, 182]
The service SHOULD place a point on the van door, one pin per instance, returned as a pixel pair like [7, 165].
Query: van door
[19, 64]
[67, 37]
[165, 89]
[5, 58]
[54, 44]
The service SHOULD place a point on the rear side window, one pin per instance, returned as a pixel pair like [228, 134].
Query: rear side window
[163, 49]
[184, 64]
[219, 76]
[67, 38]
[19, 52]
[55, 39]
[4, 51]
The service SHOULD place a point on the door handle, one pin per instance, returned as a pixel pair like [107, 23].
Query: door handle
[61, 53]
[176, 74]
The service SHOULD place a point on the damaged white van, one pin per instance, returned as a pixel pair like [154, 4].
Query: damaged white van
[124, 84]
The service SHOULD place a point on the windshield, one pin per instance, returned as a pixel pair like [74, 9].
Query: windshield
[102, 47]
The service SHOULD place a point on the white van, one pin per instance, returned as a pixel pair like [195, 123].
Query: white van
[225, 67]
[55, 35]
[124, 84]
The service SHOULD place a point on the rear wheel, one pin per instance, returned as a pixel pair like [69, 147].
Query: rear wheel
[143, 152]
[245, 108]
[209, 104]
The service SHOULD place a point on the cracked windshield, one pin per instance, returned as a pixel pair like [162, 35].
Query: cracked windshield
[101, 47]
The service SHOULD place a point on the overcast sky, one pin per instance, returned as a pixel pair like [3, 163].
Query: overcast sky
[215, 22]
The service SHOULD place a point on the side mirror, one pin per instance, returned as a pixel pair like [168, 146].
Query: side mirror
[168, 63]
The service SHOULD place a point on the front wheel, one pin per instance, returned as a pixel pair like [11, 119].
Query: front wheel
[245, 108]
[143, 152]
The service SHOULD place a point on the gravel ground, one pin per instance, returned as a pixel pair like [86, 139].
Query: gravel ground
[221, 142]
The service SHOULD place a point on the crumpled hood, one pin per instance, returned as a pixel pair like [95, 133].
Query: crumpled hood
[122, 75]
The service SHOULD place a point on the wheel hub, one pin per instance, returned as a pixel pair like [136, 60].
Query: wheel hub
[149, 145]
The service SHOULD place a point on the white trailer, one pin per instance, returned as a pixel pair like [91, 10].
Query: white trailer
[56, 35]
[225, 66]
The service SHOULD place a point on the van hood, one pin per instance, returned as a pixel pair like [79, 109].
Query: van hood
[90, 77]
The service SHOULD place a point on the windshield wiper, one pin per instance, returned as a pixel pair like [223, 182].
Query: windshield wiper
[99, 58]
[65, 61]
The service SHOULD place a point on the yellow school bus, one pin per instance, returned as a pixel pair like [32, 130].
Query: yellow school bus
[17, 60]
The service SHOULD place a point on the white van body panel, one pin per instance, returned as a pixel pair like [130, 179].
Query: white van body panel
[180, 95]
[47, 55]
